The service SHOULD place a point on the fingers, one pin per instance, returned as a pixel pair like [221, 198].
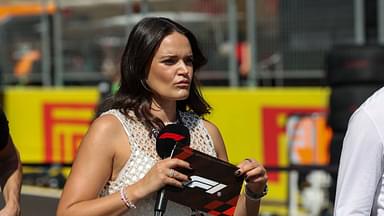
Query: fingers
[171, 173]
[169, 163]
[177, 175]
[255, 174]
[247, 165]
[167, 171]
[176, 178]
[175, 162]
[252, 170]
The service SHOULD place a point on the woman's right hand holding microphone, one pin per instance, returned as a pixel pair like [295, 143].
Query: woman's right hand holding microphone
[161, 174]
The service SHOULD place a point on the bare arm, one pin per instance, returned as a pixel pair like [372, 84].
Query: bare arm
[255, 174]
[91, 170]
[11, 177]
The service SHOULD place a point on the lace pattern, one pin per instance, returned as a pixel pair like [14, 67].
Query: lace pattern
[144, 156]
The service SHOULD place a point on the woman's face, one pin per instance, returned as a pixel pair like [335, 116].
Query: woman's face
[171, 70]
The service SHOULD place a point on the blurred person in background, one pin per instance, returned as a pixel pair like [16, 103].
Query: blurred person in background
[360, 189]
[27, 58]
[117, 170]
[110, 71]
[10, 170]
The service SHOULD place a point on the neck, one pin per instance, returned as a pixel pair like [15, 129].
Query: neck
[164, 111]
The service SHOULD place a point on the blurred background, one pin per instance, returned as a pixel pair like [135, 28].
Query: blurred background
[289, 73]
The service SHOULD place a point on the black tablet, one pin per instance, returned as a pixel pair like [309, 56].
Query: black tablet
[213, 186]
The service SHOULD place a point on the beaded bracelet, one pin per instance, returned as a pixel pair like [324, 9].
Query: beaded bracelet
[255, 196]
[125, 200]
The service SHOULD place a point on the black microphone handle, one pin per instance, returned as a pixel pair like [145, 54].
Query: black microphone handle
[161, 203]
[161, 200]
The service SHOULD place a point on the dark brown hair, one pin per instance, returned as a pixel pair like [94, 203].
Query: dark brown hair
[143, 42]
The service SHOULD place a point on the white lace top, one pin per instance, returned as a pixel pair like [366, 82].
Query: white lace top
[144, 156]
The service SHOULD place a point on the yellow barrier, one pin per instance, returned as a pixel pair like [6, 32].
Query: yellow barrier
[48, 124]
[252, 122]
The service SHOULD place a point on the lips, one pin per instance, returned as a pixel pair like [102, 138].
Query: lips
[183, 83]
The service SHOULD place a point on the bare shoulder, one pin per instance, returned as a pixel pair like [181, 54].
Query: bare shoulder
[217, 139]
[211, 127]
[103, 134]
[106, 123]
[94, 160]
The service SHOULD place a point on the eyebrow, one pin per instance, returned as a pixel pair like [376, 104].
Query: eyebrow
[174, 56]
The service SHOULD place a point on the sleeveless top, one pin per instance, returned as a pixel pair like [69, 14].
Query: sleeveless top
[144, 156]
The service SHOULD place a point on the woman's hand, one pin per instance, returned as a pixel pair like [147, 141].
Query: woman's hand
[255, 175]
[163, 173]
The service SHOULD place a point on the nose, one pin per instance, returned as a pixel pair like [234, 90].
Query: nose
[183, 67]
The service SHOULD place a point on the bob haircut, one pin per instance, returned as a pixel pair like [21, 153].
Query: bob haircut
[143, 42]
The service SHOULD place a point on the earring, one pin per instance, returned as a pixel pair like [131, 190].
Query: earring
[145, 86]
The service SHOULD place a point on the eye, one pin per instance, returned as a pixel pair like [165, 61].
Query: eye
[169, 61]
[189, 61]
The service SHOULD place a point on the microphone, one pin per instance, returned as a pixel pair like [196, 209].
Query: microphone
[170, 137]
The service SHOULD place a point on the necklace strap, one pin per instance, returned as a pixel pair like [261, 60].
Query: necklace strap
[174, 122]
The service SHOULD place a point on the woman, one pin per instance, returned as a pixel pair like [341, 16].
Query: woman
[117, 169]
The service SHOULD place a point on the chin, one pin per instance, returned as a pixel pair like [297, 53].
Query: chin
[176, 95]
[182, 97]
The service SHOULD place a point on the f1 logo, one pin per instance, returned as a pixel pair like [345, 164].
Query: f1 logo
[208, 185]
